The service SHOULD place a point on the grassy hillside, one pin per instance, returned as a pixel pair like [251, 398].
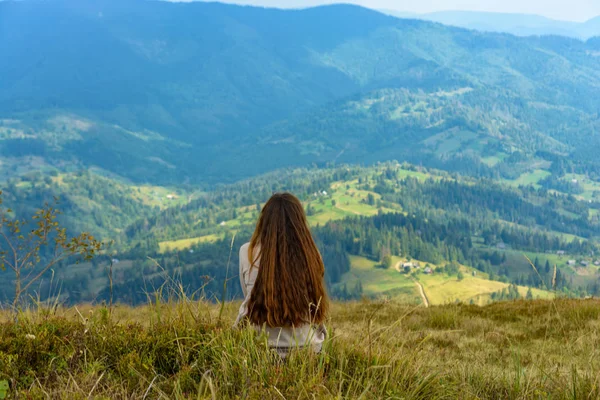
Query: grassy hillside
[368, 192]
[439, 288]
[360, 194]
[186, 349]
[90, 200]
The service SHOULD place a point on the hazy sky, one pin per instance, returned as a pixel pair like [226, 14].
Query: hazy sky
[573, 10]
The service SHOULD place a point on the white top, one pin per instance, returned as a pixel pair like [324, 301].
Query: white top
[282, 339]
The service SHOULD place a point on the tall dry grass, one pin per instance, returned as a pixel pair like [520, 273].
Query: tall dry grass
[186, 349]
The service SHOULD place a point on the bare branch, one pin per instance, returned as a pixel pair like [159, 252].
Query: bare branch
[39, 275]
[25, 248]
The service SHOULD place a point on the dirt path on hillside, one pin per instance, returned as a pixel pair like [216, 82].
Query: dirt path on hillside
[422, 293]
[421, 290]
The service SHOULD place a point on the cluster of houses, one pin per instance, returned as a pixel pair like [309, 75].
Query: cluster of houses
[408, 266]
[583, 263]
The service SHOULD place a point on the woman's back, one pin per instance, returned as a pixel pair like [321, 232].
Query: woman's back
[282, 339]
[282, 277]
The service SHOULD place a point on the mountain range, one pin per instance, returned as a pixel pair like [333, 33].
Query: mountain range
[165, 92]
[515, 24]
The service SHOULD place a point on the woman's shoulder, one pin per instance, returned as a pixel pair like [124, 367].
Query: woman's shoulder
[244, 251]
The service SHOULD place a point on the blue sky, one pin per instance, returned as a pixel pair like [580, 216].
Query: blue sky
[572, 10]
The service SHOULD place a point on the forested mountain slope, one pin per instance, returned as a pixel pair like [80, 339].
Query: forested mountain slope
[168, 93]
[367, 222]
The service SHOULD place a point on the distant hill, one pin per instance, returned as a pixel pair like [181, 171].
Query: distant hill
[515, 24]
[166, 93]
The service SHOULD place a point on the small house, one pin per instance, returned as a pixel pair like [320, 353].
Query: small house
[474, 273]
[428, 270]
[571, 262]
[585, 263]
[114, 261]
[560, 253]
[222, 223]
[501, 246]
[597, 263]
[171, 197]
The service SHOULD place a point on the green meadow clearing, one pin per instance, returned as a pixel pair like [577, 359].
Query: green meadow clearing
[529, 178]
[439, 287]
[183, 244]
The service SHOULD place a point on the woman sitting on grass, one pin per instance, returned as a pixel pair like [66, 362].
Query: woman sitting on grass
[281, 272]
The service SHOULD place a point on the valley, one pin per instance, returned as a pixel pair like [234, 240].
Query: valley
[174, 234]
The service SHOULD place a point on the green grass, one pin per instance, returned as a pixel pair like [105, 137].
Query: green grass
[449, 141]
[529, 178]
[591, 188]
[187, 243]
[149, 195]
[404, 173]
[380, 282]
[439, 288]
[349, 201]
[186, 349]
[444, 289]
[326, 212]
[491, 161]
[162, 197]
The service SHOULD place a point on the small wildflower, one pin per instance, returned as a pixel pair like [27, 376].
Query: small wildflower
[29, 336]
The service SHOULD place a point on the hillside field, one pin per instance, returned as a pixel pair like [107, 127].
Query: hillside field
[439, 288]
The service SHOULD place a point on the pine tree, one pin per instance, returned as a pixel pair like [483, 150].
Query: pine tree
[529, 295]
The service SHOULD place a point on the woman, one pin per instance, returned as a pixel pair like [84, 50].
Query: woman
[281, 272]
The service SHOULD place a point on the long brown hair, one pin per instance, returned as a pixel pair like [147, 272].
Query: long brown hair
[289, 288]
